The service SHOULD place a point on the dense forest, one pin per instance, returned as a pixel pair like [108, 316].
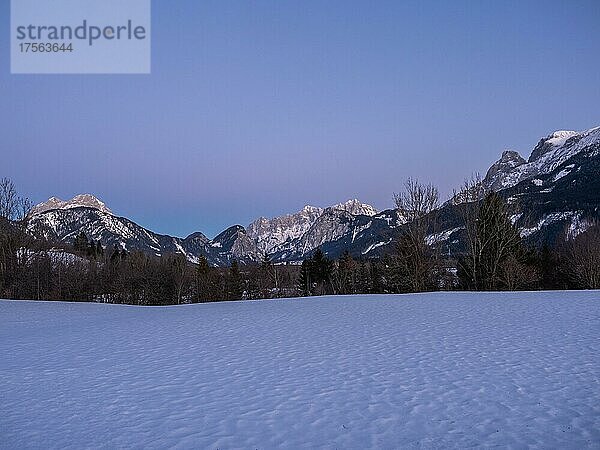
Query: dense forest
[495, 258]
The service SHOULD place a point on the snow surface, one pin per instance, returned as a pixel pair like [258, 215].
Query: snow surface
[444, 370]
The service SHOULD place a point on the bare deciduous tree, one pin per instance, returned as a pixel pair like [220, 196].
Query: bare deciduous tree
[516, 275]
[468, 201]
[584, 255]
[14, 243]
[8, 199]
[417, 206]
[12, 206]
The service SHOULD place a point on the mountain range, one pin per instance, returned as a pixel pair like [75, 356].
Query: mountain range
[557, 188]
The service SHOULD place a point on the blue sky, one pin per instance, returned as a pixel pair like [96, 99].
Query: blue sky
[258, 108]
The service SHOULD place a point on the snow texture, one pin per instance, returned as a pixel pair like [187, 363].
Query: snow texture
[445, 370]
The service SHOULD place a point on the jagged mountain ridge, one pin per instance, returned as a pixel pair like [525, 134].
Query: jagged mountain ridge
[558, 185]
[548, 154]
[305, 230]
[59, 221]
[79, 201]
[278, 233]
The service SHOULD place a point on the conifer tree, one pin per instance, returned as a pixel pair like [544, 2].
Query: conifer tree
[235, 282]
[305, 280]
[202, 279]
[81, 243]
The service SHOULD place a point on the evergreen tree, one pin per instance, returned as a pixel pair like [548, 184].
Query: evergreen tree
[321, 272]
[364, 282]
[81, 243]
[305, 280]
[235, 283]
[203, 285]
[115, 254]
[267, 277]
[92, 251]
[347, 274]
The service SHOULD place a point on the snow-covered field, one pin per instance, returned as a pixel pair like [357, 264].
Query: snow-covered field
[449, 370]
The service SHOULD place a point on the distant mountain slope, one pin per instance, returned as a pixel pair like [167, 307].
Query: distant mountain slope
[63, 225]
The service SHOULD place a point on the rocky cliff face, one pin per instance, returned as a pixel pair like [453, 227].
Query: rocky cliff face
[304, 231]
[550, 143]
[356, 208]
[276, 234]
[499, 171]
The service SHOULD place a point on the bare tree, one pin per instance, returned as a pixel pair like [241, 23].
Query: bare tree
[516, 275]
[14, 243]
[584, 256]
[8, 199]
[12, 206]
[467, 201]
[417, 206]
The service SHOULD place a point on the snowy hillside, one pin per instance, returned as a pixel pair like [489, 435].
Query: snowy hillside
[445, 370]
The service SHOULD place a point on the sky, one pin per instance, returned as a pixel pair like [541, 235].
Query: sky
[257, 108]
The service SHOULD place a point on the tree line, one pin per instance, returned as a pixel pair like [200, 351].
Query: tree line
[495, 258]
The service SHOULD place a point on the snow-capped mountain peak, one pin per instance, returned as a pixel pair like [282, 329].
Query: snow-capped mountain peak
[280, 234]
[356, 207]
[308, 209]
[501, 169]
[79, 201]
[512, 158]
[549, 153]
[558, 138]
[271, 234]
